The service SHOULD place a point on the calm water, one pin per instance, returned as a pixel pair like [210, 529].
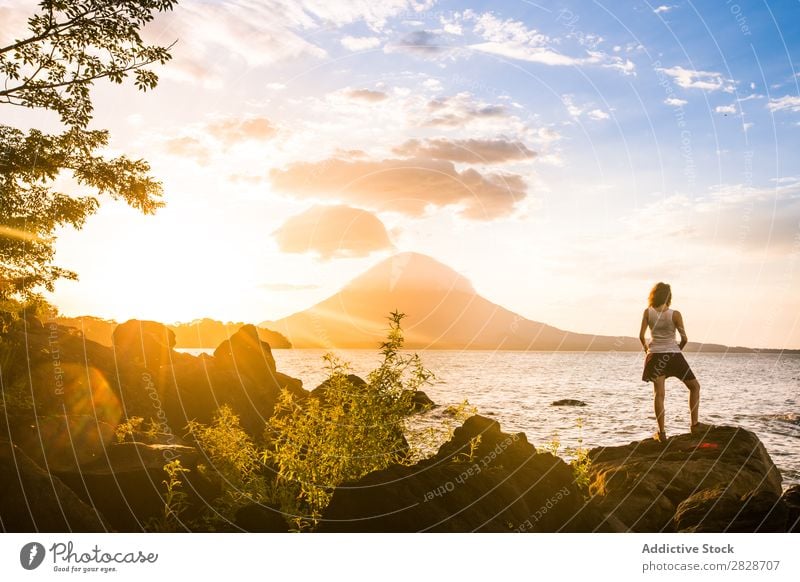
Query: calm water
[760, 392]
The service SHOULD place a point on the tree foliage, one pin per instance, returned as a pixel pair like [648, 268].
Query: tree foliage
[68, 46]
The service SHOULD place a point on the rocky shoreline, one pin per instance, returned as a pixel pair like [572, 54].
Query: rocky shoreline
[63, 469]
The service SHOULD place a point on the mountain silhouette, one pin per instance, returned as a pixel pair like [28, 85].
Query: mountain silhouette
[442, 310]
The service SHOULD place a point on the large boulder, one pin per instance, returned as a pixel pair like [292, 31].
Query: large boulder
[128, 487]
[719, 510]
[51, 370]
[196, 387]
[60, 443]
[245, 352]
[146, 343]
[33, 500]
[482, 479]
[791, 497]
[645, 483]
[172, 388]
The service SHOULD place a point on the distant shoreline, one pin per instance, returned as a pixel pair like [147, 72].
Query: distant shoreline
[795, 352]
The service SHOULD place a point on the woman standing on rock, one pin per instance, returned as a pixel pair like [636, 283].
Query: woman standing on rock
[665, 358]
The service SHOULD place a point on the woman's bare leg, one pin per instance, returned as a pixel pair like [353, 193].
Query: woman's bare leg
[694, 399]
[659, 390]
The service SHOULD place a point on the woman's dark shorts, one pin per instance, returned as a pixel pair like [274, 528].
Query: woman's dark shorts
[669, 364]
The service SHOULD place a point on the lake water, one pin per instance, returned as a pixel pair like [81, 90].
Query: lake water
[760, 392]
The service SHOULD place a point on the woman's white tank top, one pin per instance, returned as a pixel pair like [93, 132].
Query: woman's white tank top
[662, 331]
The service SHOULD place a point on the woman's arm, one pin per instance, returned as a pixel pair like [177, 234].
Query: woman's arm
[642, 329]
[677, 319]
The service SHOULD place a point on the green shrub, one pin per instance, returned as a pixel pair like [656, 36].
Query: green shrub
[174, 500]
[233, 461]
[319, 443]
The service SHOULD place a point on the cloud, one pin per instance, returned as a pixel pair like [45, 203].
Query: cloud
[577, 111]
[726, 109]
[407, 186]
[213, 34]
[232, 130]
[692, 79]
[460, 110]
[540, 55]
[597, 114]
[422, 43]
[663, 9]
[14, 16]
[785, 103]
[188, 147]
[514, 40]
[333, 232]
[360, 43]
[471, 151]
[203, 139]
[367, 95]
[675, 102]
[733, 217]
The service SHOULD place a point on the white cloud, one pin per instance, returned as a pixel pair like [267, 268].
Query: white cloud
[597, 114]
[360, 43]
[787, 102]
[662, 9]
[577, 111]
[750, 97]
[259, 32]
[572, 109]
[726, 109]
[675, 102]
[531, 54]
[514, 40]
[692, 79]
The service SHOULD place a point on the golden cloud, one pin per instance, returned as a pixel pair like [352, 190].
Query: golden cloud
[408, 186]
[333, 232]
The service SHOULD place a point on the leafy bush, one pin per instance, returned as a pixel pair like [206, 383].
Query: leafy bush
[319, 443]
[234, 460]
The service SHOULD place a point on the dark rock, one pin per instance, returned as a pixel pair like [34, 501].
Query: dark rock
[644, 483]
[481, 480]
[32, 500]
[255, 517]
[147, 343]
[717, 510]
[791, 497]
[321, 390]
[128, 485]
[60, 443]
[194, 390]
[421, 401]
[568, 402]
[246, 352]
[56, 372]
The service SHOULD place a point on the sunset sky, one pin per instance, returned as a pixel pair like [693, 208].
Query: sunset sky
[564, 156]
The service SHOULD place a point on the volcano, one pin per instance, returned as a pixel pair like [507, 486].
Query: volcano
[443, 311]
